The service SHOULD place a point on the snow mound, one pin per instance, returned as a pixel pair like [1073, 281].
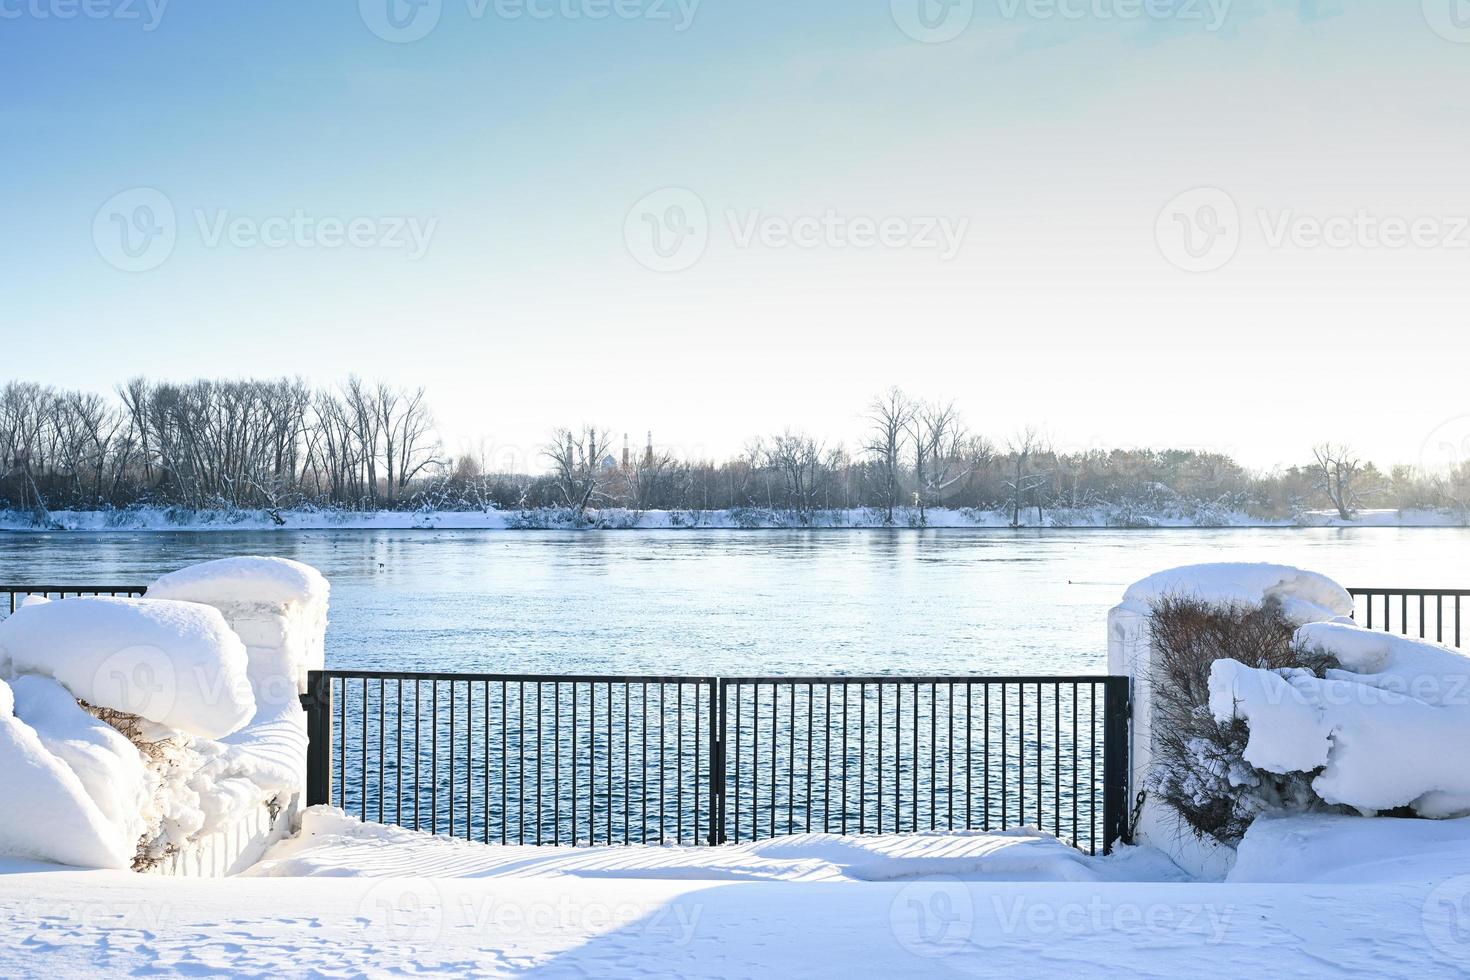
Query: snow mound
[334, 844]
[1326, 847]
[254, 580]
[1305, 597]
[108, 766]
[45, 811]
[175, 663]
[1426, 671]
[1372, 729]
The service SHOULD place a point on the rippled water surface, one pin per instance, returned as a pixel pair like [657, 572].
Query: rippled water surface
[736, 602]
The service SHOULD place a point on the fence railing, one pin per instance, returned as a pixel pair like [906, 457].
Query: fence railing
[1430, 614]
[518, 758]
[545, 759]
[12, 595]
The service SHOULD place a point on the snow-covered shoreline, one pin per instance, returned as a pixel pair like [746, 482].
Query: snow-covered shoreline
[753, 519]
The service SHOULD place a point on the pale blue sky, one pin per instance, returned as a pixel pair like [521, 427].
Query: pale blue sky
[524, 142]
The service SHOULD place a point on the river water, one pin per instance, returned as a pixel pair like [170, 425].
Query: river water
[736, 602]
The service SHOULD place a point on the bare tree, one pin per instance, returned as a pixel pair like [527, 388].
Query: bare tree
[577, 465]
[1339, 468]
[1023, 447]
[802, 465]
[945, 453]
[889, 419]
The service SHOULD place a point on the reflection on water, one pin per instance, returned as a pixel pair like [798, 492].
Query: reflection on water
[732, 602]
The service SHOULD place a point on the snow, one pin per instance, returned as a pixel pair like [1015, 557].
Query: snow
[1305, 597]
[174, 663]
[333, 843]
[278, 607]
[1372, 740]
[108, 766]
[1338, 896]
[45, 811]
[1429, 672]
[1326, 847]
[178, 519]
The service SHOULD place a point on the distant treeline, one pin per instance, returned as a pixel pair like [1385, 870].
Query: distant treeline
[282, 444]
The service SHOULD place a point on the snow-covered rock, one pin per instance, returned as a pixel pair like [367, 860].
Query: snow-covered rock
[175, 663]
[1305, 597]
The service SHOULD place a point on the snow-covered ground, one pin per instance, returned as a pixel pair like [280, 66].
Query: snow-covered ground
[176, 519]
[1313, 897]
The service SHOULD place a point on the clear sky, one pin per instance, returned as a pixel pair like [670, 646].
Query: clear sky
[974, 199]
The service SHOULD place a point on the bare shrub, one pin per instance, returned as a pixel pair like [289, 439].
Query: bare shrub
[1199, 768]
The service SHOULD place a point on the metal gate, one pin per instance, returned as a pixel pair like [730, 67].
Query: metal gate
[593, 759]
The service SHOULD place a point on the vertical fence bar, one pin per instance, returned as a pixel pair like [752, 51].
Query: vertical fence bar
[318, 704]
[1115, 762]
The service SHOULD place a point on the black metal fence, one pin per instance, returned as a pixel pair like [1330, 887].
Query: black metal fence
[567, 760]
[1429, 614]
[518, 758]
[11, 596]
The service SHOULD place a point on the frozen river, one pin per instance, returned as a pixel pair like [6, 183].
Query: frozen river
[723, 602]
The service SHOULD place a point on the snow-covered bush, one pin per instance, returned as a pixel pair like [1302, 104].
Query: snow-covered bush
[1378, 734]
[1199, 766]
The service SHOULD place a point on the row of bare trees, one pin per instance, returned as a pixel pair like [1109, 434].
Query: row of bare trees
[281, 443]
[203, 444]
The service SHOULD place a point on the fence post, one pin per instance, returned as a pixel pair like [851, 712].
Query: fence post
[318, 704]
[717, 762]
[1116, 709]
